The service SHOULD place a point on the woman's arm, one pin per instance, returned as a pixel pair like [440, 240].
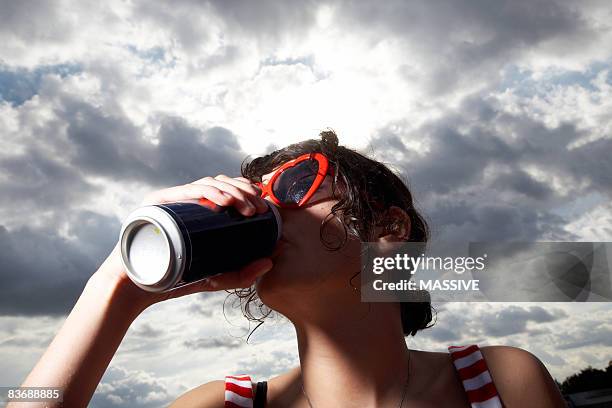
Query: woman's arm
[209, 395]
[81, 351]
[79, 354]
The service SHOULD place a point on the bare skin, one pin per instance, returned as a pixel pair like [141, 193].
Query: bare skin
[346, 347]
[349, 348]
[521, 380]
[80, 353]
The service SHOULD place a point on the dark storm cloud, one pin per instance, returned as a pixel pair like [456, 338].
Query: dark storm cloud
[48, 180]
[186, 153]
[102, 144]
[29, 20]
[550, 149]
[593, 162]
[470, 323]
[521, 182]
[268, 16]
[39, 261]
[442, 334]
[267, 20]
[36, 179]
[110, 145]
[463, 157]
[514, 319]
[502, 26]
[466, 40]
[472, 183]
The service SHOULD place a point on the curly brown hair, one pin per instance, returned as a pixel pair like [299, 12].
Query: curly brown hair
[365, 189]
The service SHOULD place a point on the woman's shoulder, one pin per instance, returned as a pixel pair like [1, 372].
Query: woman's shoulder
[284, 387]
[521, 378]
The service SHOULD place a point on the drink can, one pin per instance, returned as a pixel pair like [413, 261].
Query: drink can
[168, 245]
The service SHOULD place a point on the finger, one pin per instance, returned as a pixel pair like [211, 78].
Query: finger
[252, 183]
[256, 190]
[243, 278]
[208, 177]
[189, 192]
[250, 188]
[242, 198]
[241, 183]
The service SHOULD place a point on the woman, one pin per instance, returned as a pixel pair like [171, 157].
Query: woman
[352, 354]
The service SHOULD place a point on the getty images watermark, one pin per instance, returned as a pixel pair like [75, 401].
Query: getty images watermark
[487, 272]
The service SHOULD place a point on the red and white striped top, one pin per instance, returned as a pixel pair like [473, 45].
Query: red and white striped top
[468, 362]
[475, 376]
[238, 391]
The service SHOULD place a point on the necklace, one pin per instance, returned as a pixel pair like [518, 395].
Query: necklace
[403, 392]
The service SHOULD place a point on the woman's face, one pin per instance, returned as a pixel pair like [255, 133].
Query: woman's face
[302, 264]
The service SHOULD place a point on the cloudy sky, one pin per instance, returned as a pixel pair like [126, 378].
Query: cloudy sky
[497, 113]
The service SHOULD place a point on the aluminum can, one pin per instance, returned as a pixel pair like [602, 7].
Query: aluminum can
[168, 245]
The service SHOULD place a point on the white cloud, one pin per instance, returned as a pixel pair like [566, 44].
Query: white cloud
[594, 224]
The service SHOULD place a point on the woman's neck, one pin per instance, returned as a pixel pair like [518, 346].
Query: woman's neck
[354, 358]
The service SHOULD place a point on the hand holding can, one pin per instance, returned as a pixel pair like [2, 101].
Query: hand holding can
[212, 234]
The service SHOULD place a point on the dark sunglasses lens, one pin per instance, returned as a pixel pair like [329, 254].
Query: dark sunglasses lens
[293, 184]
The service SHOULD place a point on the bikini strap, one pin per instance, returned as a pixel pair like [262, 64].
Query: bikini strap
[475, 376]
[238, 391]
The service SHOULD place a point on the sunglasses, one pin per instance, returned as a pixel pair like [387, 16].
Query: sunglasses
[295, 182]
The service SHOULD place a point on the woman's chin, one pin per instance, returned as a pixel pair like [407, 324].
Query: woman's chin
[268, 289]
[277, 283]
[269, 281]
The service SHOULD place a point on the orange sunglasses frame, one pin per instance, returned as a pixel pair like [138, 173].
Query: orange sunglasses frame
[324, 168]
